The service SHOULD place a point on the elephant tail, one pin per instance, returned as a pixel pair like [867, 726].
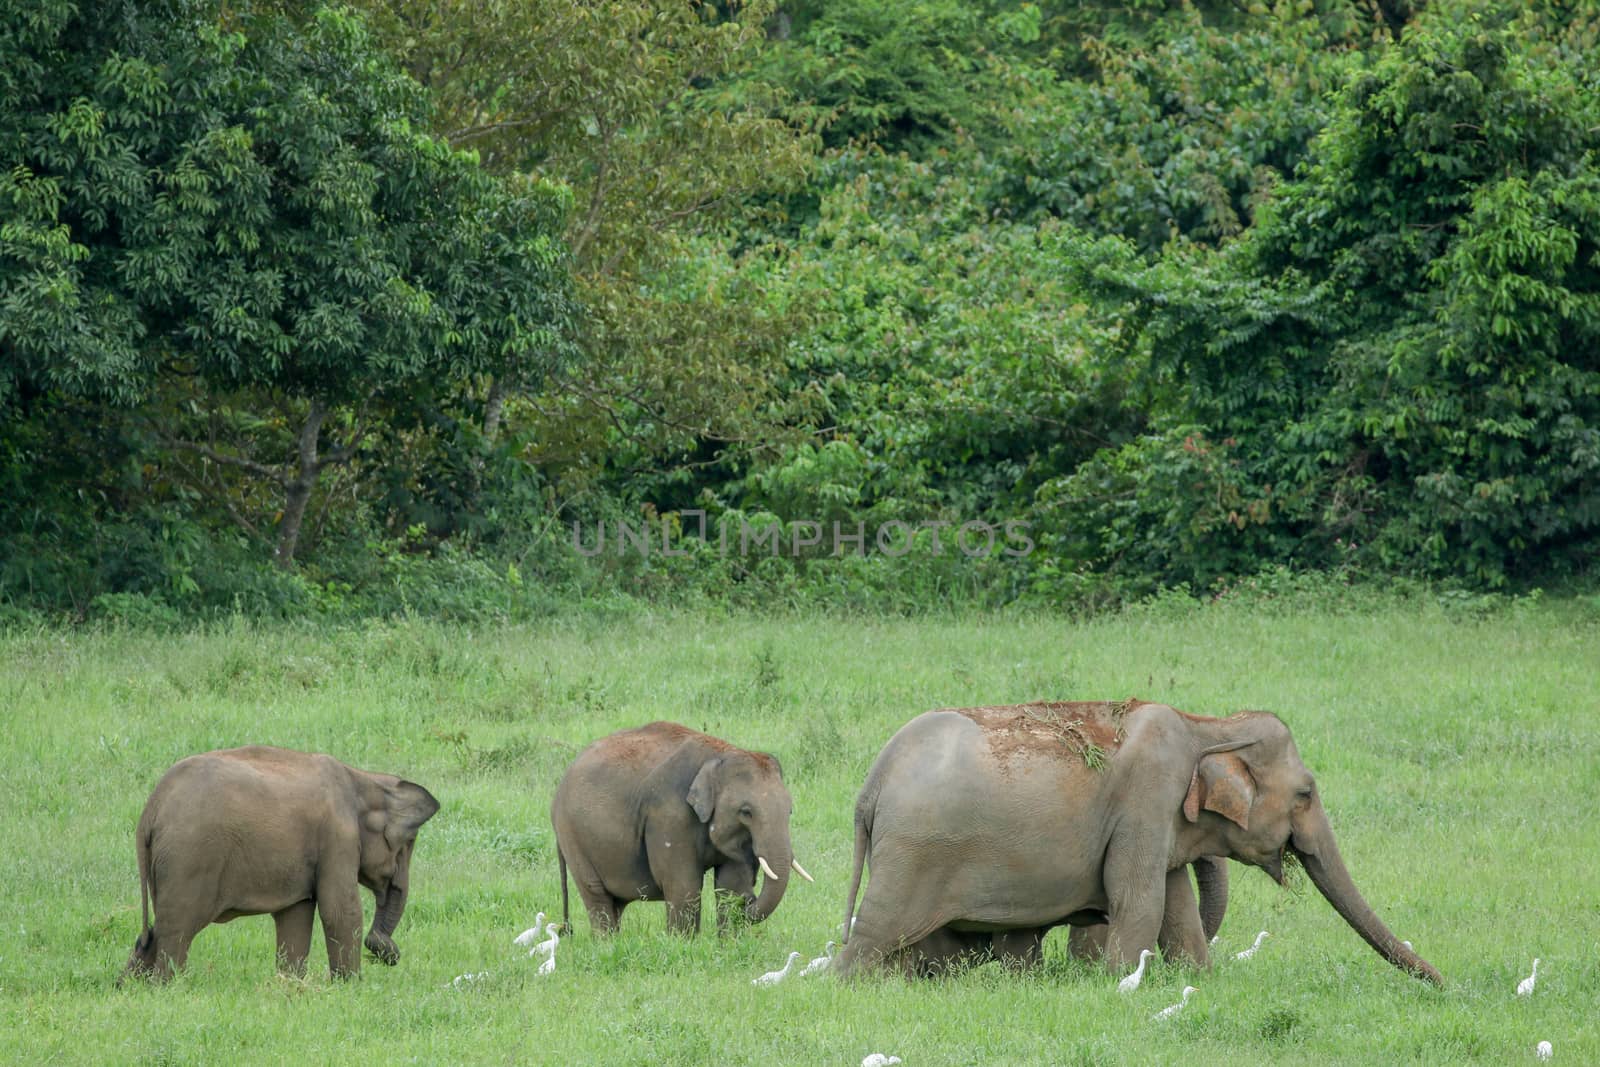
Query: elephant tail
[863, 842]
[142, 845]
[566, 920]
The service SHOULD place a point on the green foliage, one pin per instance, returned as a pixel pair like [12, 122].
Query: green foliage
[1201, 291]
[899, 74]
[1183, 134]
[636, 107]
[240, 223]
[1399, 344]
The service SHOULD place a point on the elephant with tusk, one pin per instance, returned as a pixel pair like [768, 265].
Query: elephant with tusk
[996, 819]
[642, 814]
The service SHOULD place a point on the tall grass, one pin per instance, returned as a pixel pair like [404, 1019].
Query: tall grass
[1458, 754]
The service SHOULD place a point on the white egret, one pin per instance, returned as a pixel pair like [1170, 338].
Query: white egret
[774, 977]
[822, 962]
[1543, 1051]
[1525, 987]
[1251, 951]
[1167, 1013]
[547, 947]
[878, 1059]
[527, 936]
[1130, 983]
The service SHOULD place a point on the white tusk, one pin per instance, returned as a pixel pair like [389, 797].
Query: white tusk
[801, 871]
[768, 871]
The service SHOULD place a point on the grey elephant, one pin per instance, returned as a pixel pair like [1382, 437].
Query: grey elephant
[269, 831]
[1023, 948]
[998, 819]
[642, 814]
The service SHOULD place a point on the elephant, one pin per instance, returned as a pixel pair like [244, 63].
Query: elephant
[1018, 818]
[642, 814]
[1023, 948]
[269, 831]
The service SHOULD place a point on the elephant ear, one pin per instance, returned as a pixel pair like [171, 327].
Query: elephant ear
[1222, 783]
[703, 790]
[408, 806]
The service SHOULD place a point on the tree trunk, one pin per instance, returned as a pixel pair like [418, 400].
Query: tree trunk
[493, 407]
[297, 490]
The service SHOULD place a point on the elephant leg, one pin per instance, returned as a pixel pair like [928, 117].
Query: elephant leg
[185, 904]
[939, 953]
[1182, 935]
[1088, 942]
[1019, 950]
[339, 904]
[900, 908]
[681, 879]
[294, 936]
[1135, 882]
[735, 890]
[683, 907]
[605, 910]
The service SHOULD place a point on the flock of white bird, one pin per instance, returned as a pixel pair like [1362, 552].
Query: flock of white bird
[547, 949]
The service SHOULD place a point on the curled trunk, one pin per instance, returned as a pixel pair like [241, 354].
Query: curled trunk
[780, 857]
[1313, 843]
[380, 939]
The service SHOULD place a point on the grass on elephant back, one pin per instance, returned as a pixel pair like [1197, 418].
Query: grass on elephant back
[1451, 752]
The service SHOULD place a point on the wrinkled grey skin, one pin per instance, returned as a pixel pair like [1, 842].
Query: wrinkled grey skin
[983, 820]
[1023, 949]
[1211, 880]
[642, 814]
[268, 831]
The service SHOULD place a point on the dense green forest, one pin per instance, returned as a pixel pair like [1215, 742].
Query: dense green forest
[476, 309]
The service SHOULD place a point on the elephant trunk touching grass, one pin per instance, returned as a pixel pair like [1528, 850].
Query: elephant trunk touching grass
[996, 819]
[1312, 842]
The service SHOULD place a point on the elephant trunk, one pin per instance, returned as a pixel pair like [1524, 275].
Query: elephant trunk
[776, 875]
[380, 939]
[1211, 876]
[1313, 843]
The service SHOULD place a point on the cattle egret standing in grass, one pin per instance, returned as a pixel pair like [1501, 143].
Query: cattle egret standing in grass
[1130, 983]
[1251, 951]
[527, 936]
[878, 1059]
[547, 947]
[549, 965]
[821, 963]
[1525, 987]
[1543, 1051]
[774, 977]
[1167, 1013]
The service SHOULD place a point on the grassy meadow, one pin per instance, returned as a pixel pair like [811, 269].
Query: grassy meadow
[1458, 754]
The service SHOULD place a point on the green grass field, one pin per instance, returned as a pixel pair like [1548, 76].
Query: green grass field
[1458, 756]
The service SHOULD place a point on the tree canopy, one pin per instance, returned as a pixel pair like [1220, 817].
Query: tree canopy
[395, 293]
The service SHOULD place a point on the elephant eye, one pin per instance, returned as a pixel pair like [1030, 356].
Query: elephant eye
[746, 810]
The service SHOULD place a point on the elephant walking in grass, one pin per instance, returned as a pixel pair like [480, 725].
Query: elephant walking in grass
[1010, 820]
[268, 831]
[642, 814]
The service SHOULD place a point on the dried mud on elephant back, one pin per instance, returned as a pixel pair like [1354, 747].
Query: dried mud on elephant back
[1091, 730]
